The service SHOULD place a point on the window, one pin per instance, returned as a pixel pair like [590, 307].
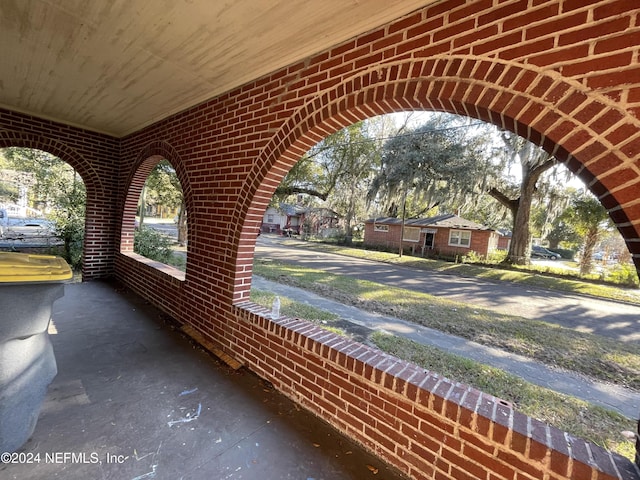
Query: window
[411, 234]
[380, 228]
[460, 238]
[270, 218]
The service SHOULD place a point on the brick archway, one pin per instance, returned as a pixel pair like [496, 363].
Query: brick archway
[93, 247]
[145, 162]
[583, 129]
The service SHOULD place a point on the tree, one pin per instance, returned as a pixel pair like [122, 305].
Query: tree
[518, 198]
[442, 162]
[589, 219]
[163, 190]
[353, 157]
[337, 170]
[559, 229]
[305, 177]
[57, 189]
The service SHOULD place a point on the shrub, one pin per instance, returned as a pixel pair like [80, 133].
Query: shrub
[69, 227]
[152, 244]
[473, 257]
[566, 254]
[623, 274]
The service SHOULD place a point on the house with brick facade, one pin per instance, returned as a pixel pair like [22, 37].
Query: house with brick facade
[442, 235]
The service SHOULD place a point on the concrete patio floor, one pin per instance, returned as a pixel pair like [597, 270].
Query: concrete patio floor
[135, 399]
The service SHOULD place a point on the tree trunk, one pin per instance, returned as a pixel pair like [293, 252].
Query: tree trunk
[590, 241]
[349, 215]
[143, 206]
[554, 243]
[520, 248]
[182, 225]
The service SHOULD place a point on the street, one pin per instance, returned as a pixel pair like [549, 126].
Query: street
[602, 317]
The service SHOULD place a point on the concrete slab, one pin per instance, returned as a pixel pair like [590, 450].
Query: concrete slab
[135, 399]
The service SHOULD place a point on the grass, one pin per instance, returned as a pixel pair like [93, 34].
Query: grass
[574, 416]
[597, 357]
[578, 418]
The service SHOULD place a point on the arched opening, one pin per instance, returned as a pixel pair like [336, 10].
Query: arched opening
[548, 112]
[154, 224]
[550, 118]
[43, 203]
[279, 259]
[98, 221]
[161, 221]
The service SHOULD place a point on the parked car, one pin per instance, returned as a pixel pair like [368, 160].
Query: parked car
[540, 252]
[4, 221]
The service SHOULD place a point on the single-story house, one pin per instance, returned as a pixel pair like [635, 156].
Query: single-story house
[291, 218]
[504, 242]
[446, 234]
[322, 222]
[287, 218]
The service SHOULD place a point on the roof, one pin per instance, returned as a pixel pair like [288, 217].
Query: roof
[291, 210]
[448, 220]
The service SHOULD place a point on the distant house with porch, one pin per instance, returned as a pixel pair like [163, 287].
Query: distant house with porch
[287, 218]
[291, 219]
[447, 235]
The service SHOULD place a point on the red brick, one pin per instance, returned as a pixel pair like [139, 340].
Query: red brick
[530, 16]
[610, 79]
[619, 42]
[405, 23]
[470, 10]
[450, 31]
[497, 14]
[613, 9]
[556, 25]
[597, 64]
[601, 29]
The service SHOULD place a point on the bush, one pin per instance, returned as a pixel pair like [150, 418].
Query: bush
[69, 228]
[495, 257]
[473, 257]
[623, 274]
[498, 256]
[152, 244]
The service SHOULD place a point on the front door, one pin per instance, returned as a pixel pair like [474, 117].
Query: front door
[428, 240]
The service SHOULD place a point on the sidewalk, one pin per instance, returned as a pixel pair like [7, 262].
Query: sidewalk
[624, 401]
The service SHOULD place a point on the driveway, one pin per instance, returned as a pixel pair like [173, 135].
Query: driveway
[602, 317]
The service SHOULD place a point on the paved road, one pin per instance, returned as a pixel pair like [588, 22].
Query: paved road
[607, 318]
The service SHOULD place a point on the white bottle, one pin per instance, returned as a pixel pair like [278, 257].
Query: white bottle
[275, 308]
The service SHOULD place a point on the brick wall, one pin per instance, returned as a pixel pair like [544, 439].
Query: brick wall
[480, 241]
[421, 422]
[562, 73]
[94, 156]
